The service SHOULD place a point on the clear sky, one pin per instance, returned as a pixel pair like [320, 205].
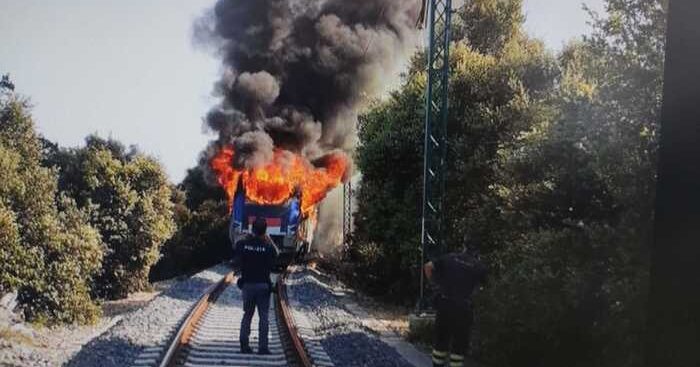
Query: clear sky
[128, 69]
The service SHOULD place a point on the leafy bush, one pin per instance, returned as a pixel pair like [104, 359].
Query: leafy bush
[562, 293]
[127, 196]
[388, 221]
[14, 261]
[201, 213]
[551, 162]
[494, 95]
[49, 253]
[200, 241]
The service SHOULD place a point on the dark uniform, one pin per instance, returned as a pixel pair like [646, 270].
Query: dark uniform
[255, 256]
[456, 275]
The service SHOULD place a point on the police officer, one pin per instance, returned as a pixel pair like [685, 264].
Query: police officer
[256, 256]
[456, 275]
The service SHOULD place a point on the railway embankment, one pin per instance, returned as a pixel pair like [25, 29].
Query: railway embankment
[351, 330]
[331, 317]
[127, 328]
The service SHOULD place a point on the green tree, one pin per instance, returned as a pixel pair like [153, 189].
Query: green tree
[387, 222]
[128, 197]
[579, 194]
[49, 253]
[551, 162]
[201, 240]
[500, 80]
[198, 188]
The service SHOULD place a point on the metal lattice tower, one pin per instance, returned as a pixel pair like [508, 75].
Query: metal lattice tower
[347, 213]
[436, 113]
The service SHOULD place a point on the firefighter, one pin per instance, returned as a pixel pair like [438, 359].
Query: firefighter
[256, 256]
[456, 275]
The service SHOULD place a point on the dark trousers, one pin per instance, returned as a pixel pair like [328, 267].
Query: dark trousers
[453, 324]
[255, 295]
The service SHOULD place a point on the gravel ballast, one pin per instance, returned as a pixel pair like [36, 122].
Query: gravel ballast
[26, 345]
[341, 325]
[342, 333]
[150, 328]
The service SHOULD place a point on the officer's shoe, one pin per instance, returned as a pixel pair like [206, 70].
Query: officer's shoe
[264, 351]
[246, 350]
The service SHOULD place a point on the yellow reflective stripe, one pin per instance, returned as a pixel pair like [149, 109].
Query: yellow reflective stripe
[457, 364]
[438, 360]
[456, 357]
[438, 353]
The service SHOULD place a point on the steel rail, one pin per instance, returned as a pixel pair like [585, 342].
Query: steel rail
[187, 327]
[185, 331]
[285, 312]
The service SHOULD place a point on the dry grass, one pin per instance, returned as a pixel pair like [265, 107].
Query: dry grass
[13, 336]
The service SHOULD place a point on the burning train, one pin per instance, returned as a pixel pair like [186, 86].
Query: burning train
[286, 192]
[291, 232]
[295, 75]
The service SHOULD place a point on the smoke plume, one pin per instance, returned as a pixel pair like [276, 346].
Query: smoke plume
[329, 233]
[296, 72]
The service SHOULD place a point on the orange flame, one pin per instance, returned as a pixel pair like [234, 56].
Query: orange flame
[228, 177]
[276, 182]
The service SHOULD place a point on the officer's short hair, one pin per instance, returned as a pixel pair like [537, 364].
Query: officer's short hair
[259, 226]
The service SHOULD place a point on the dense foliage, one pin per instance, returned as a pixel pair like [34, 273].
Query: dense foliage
[201, 214]
[49, 253]
[495, 94]
[79, 225]
[76, 225]
[127, 196]
[551, 164]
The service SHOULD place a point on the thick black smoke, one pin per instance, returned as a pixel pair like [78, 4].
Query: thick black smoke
[297, 71]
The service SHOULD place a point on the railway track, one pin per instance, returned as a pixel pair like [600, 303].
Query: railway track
[209, 334]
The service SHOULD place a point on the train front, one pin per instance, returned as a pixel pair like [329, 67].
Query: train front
[286, 225]
[285, 191]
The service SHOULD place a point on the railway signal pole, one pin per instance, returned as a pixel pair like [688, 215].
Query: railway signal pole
[439, 20]
[347, 213]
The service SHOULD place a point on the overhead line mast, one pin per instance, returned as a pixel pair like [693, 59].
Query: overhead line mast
[439, 21]
[347, 214]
